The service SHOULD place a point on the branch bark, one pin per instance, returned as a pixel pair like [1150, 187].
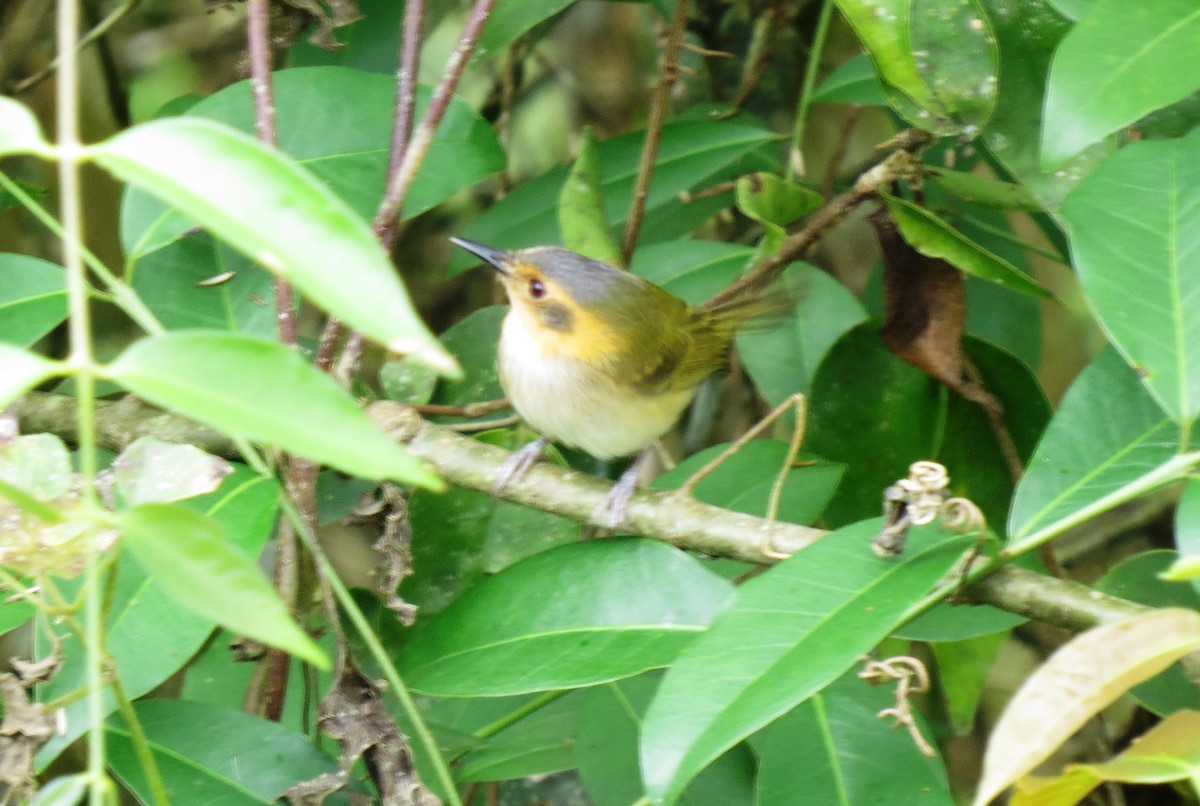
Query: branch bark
[682, 522]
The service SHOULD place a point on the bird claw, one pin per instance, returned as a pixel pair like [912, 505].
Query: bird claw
[612, 510]
[519, 463]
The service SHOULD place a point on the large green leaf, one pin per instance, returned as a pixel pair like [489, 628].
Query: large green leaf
[1121, 62]
[933, 237]
[610, 721]
[789, 632]
[744, 481]
[538, 744]
[205, 573]
[209, 754]
[1107, 441]
[782, 359]
[848, 757]
[1027, 33]
[337, 123]
[177, 283]
[275, 211]
[1135, 239]
[693, 154]
[873, 413]
[693, 270]
[576, 615]
[33, 298]
[264, 391]
[940, 55]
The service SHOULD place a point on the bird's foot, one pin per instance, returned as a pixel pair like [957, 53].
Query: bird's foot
[612, 510]
[519, 463]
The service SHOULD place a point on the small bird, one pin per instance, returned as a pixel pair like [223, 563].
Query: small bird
[597, 358]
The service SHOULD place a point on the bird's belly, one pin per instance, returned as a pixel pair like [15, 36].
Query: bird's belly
[575, 404]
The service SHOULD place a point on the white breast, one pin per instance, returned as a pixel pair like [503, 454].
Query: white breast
[576, 405]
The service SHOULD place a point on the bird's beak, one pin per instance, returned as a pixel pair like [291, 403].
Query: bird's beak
[497, 258]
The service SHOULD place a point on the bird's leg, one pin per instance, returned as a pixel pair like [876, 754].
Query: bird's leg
[612, 510]
[519, 463]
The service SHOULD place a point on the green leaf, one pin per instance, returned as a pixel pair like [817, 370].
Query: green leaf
[477, 535]
[852, 82]
[581, 218]
[969, 446]
[20, 371]
[1027, 33]
[38, 464]
[693, 270]
[19, 131]
[940, 56]
[874, 413]
[233, 184]
[264, 391]
[782, 360]
[1133, 228]
[33, 298]
[201, 282]
[151, 471]
[141, 615]
[955, 52]
[65, 790]
[884, 28]
[985, 190]
[610, 721]
[1120, 63]
[512, 18]
[1187, 529]
[209, 754]
[834, 749]
[962, 668]
[693, 154]
[744, 481]
[409, 381]
[337, 123]
[933, 237]
[789, 633]
[1106, 442]
[771, 199]
[506, 636]
[212, 578]
[538, 744]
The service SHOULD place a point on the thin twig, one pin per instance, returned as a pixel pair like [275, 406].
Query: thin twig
[898, 164]
[469, 410]
[258, 44]
[795, 162]
[407, 71]
[400, 182]
[82, 363]
[100, 30]
[658, 116]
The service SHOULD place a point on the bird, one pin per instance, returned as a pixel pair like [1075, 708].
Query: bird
[597, 358]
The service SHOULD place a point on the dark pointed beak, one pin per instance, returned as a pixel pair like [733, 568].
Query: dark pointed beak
[497, 258]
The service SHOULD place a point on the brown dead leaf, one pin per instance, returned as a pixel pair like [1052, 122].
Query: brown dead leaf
[353, 715]
[26, 727]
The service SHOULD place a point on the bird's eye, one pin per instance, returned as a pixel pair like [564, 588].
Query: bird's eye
[537, 289]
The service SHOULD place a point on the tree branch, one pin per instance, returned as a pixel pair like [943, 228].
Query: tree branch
[682, 522]
[898, 164]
